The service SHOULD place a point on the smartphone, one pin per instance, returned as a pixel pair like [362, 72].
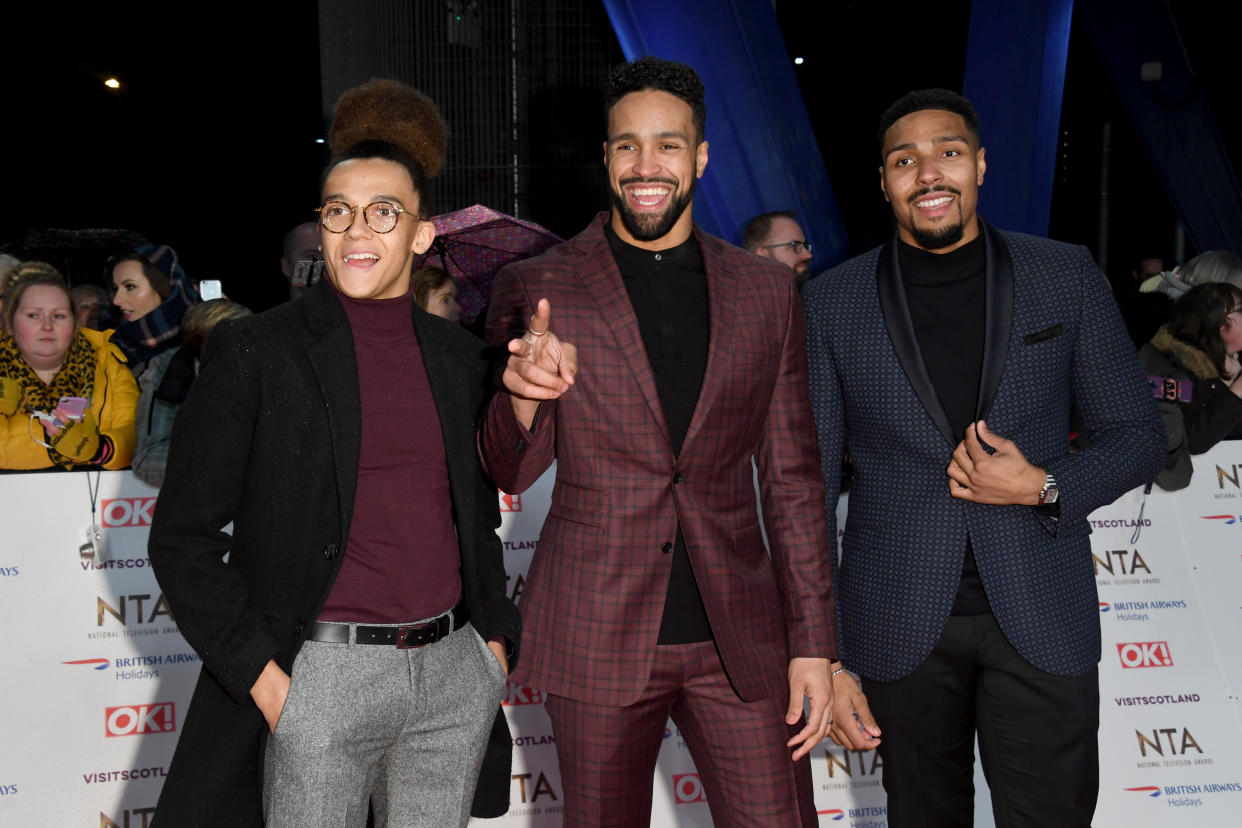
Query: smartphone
[210, 289]
[71, 408]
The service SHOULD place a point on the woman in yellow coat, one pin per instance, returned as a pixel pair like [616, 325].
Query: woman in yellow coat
[66, 396]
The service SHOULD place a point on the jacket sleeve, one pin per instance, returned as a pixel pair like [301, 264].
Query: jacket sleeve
[829, 410]
[1212, 420]
[115, 405]
[513, 455]
[202, 493]
[1177, 466]
[1125, 443]
[791, 490]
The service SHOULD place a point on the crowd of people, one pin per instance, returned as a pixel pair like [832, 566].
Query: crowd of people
[140, 338]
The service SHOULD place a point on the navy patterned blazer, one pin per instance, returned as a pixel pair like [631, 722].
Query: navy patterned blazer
[1053, 339]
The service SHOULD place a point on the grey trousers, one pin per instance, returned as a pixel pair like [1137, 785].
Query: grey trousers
[404, 730]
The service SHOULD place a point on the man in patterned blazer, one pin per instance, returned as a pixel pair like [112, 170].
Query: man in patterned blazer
[651, 593]
[948, 361]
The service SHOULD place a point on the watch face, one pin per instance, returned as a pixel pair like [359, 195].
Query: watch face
[1050, 495]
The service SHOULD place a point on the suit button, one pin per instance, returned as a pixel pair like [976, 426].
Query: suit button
[330, 551]
[678, 477]
[666, 547]
[297, 629]
[518, 445]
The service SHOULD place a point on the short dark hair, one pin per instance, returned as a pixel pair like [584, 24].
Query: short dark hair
[921, 99]
[1198, 315]
[676, 79]
[758, 228]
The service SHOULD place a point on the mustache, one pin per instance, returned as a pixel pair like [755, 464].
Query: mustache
[939, 188]
[634, 179]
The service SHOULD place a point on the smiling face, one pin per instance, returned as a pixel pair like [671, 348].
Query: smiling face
[932, 171]
[43, 327]
[132, 291]
[361, 263]
[654, 161]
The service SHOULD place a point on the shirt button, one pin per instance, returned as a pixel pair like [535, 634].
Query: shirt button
[666, 547]
[330, 551]
[518, 445]
[678, 477]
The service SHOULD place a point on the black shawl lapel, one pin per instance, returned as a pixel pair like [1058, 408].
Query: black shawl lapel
[901, 331]
[999, 320]
[336, 368]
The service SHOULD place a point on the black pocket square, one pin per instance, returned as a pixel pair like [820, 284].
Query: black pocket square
[1044, 335]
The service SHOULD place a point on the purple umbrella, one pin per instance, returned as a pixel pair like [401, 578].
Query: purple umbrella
[474, 243]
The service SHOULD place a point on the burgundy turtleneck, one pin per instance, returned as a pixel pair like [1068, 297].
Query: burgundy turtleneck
[402, 562]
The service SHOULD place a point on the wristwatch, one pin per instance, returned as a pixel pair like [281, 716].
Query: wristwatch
[1048, 494]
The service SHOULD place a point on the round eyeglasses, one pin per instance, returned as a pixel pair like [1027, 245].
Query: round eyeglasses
[380, 216]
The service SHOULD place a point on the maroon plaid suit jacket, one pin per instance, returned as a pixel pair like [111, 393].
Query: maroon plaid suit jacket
[595, 591]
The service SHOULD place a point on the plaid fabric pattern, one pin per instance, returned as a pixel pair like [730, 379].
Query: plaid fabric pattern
[158, 330]
[608, 754]
[596, 586]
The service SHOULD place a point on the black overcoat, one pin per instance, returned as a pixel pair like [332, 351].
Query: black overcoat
[268, 440]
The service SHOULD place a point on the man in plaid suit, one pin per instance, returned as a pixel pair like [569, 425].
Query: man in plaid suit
[651, 593]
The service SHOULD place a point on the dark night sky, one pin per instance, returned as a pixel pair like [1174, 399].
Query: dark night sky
[209, 145]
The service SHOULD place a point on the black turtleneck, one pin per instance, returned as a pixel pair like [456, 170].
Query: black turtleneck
[947, 296]
[668, 290]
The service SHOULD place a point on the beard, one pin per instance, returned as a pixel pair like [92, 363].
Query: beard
[648, 227]
[941, 236]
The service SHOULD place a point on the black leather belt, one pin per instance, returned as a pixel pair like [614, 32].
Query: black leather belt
[403, 637]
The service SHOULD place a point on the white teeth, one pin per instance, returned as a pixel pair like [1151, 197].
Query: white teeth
[650, 191]
[933, 203]
[349, 257]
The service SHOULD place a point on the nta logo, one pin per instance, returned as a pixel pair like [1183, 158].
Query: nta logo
[510, 502]
[1137, 654]
[687, 788]
[1231, 476]
[1120, 562]
[141, 818]
[128, 511]
[138, 719]
[1177, 747]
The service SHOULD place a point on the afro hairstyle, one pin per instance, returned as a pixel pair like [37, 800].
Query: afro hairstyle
[388, 119]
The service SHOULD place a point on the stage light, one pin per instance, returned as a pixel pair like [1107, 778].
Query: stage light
[112, 83]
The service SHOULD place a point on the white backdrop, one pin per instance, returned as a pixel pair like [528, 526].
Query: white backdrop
[96, 678]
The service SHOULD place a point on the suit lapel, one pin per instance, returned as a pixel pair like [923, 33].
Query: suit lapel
[603, 282]
[335, 364]
[901, 332]
[721, 308]
[446, 391]
[999, 321]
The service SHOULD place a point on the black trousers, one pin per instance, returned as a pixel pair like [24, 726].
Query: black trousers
[1037, 735]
